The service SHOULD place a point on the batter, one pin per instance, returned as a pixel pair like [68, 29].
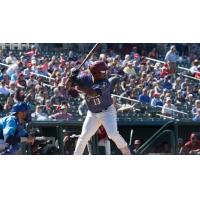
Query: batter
[101, 110]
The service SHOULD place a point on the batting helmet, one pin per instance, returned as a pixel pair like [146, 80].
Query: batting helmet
[98, 67]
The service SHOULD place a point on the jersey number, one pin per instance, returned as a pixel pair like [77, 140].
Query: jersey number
[96, 101]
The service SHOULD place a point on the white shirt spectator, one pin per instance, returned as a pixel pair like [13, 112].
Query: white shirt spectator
[193, 69]
[12, 70]
[168, 108]
[171, 55]
[31, 82]
[11, 60]
[39, 116]
[4, 90]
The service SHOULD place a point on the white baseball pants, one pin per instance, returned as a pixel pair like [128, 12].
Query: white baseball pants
[91, 124]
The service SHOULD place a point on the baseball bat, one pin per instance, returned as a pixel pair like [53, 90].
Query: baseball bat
[131, 137]
[96, 46]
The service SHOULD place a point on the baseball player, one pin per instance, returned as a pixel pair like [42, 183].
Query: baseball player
[101, 110]
[12, 129]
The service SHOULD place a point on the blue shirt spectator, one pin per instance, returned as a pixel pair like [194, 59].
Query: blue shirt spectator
[167, 84]
[144, 98]
[197, 116]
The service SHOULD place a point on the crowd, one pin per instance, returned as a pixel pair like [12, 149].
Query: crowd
[161, 89]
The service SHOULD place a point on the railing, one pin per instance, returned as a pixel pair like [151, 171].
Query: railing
[162, 131]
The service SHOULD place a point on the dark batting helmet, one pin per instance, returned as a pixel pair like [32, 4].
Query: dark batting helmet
[98, 67]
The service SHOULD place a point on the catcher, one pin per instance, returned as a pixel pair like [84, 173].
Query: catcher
[12, 129]
[101, 110]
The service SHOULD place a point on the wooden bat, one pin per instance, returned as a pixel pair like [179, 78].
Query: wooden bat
[96, 46]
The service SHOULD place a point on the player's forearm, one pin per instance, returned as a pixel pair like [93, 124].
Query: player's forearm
[87, 91]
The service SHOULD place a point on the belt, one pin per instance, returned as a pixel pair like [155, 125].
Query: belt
[102, 110]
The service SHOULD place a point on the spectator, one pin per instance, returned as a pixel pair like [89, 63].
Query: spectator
[57, 78]
[153, 54]
[167, 83]
[27, 71]
[171, 58]
[165, 71]
[196, 107]
[156, 101]
[197, 115]
[33, 53]
[32, 81]
[49, 108]
[180, 99]
[197, 72]
[194, 67]
[45, 66]
[177, 84]
[40, 97]
[126, 60]
[9, 103]
[129, 70]
[136, 145]
[56, 98]
[19, 95]
[38, 114]
[189, 101]
[103, 141]
[52, 64]
[12, 87]
[125, 84]
[168, 108]
[10, 59]
[151, 94]
[21, 82]
[144, 98]
[186, 86]
[3, 89]
[192, 146]
[6, 80]
[62, 115]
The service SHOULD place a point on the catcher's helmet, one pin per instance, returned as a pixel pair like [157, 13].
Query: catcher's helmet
[19, 107]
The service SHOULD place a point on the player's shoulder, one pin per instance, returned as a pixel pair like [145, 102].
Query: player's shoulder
[9, 119]
[84, 79]
[84, 76]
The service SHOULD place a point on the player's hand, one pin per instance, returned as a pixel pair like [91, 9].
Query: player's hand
[74, 72]
[30, 140]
